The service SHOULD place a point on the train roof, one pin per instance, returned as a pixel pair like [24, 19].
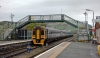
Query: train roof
[51, 28]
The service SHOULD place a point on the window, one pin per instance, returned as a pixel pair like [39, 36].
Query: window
[42, 32]
[34, 32]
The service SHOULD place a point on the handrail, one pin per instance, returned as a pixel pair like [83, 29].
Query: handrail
[12, 27]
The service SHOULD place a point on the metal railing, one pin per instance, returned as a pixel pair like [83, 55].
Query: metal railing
[8, 28]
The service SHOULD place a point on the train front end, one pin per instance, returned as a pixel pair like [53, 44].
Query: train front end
[38, 35]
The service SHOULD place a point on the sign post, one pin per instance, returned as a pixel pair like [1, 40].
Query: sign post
[28, 48]
[93, 30]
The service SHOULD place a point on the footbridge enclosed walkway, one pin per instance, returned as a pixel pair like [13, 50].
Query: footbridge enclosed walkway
[9, 28]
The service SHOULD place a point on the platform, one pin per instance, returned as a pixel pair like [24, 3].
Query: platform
[71, 50]
[13, 41]
[80, 50]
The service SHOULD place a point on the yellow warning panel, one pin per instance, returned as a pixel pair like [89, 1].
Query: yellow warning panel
[98, 48]
[38, 34]
[57, 52]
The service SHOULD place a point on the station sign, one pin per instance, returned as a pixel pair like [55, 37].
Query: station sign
[93, 29]
[28, 48]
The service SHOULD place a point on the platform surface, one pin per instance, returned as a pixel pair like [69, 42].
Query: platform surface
[80, 50]
[71, 50]
[13, 41]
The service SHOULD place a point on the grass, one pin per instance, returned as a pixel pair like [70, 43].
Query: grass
[62, 26]
[1, 26]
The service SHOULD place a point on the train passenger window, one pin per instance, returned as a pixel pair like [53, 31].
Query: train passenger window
[34, 32]
[42, 32]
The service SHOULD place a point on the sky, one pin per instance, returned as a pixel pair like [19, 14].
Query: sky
[71, 8]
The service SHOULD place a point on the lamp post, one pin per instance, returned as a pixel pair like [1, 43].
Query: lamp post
[93, 15]
[93, 27]
[86, 22]
[11, 18]
[85, 16]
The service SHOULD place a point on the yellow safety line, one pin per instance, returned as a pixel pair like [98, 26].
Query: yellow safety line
[56, 53]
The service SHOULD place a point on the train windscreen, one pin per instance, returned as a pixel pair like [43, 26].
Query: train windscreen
[42, 32]
[34, 32]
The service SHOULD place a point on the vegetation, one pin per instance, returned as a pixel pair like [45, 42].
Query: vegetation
[58, 25]
[62, 26]
[2, 23]
[1, 26]
[32, 25]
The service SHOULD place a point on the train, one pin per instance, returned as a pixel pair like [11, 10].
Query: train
[44, 35]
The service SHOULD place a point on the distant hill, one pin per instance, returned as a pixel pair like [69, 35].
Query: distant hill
[1, 26]
[64, 26]
[58, 25]
[61, 26]
[2, 23]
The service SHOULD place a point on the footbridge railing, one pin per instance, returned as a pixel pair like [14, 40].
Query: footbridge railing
[39, 18]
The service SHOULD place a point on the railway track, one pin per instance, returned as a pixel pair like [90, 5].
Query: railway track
[6, 50]
[51, 45]
[15, 50]
[40, 49]
[16, 53]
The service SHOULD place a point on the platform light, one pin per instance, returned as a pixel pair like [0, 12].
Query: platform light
[92, 21]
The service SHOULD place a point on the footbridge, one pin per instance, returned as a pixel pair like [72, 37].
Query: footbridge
[9, 28]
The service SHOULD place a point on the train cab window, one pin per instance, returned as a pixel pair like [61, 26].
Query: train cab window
[42, 32]
[34, 32]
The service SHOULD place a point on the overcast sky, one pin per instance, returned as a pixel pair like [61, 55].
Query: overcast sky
[72, 8]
